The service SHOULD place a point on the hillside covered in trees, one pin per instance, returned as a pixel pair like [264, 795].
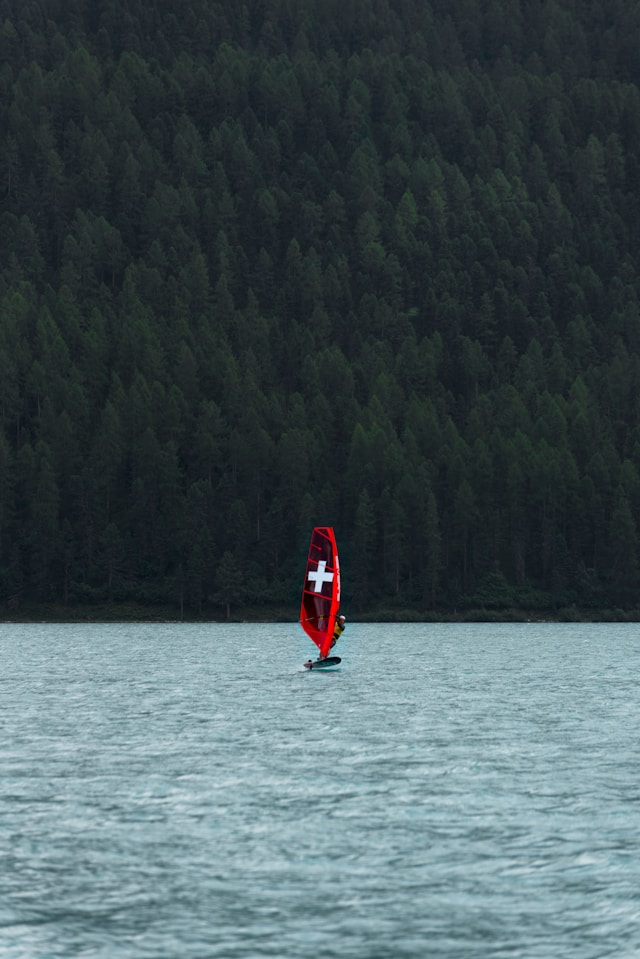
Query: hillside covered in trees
[371, 264]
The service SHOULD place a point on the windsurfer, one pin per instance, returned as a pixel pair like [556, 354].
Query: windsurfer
[338, 630]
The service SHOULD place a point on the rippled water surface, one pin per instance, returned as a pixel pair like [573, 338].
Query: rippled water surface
[190, 792]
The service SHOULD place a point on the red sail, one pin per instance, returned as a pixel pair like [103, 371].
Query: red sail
[321, 588]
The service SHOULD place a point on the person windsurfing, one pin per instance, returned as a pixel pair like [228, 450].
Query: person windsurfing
[320, 604]
[338, 630]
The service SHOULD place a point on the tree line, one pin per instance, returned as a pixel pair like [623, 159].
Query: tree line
[372, 265]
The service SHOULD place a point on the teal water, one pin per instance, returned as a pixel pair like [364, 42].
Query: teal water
[191, 792]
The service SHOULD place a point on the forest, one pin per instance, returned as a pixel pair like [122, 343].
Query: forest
[279, 263]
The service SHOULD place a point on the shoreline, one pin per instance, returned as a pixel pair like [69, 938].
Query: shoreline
[130, 612]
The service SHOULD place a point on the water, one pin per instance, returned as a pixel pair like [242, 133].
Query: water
[190, 792]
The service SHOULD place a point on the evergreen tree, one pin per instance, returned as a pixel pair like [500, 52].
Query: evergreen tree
[264, 263]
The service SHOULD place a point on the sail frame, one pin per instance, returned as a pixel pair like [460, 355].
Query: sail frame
[321, 588]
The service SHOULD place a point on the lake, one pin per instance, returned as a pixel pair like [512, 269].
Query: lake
[173, 791]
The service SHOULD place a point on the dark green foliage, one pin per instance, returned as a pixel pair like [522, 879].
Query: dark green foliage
[369, 264]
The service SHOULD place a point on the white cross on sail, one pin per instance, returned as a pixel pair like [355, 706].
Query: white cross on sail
[320, 576]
